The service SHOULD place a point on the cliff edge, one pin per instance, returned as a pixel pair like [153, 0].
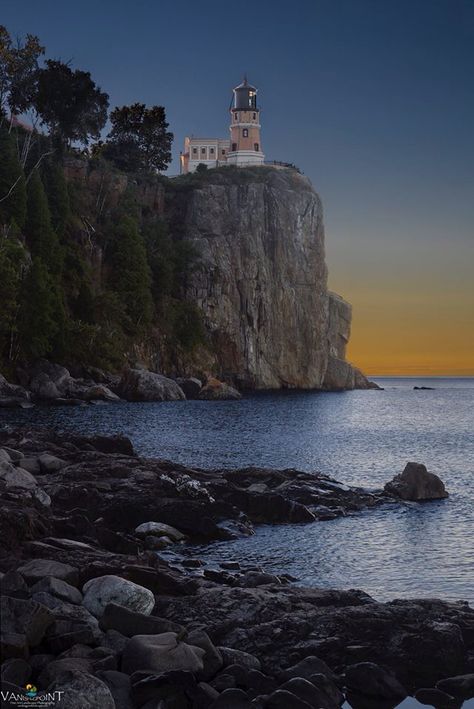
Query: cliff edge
[262, 279]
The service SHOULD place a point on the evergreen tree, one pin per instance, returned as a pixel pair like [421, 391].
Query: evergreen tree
[12, 260]
[38, 323]
[130, 275]
[12, 182]
[40, 235]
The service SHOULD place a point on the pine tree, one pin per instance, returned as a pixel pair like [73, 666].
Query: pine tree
[38, 325]
[40, 235]
[130, 275]
[12, 182]
[12, 260]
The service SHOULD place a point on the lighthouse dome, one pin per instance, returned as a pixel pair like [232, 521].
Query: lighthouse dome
[245, 97]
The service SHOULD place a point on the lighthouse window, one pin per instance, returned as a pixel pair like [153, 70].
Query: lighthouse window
[234, 147]
[203, 151]
[223, 152]
[212, 151]
[245, 133]
[256, 147]
[254, 116]
[195, 151]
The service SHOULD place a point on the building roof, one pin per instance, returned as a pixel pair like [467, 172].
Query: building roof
[245, 85]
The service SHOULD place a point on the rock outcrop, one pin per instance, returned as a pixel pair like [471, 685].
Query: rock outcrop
[416, 484]
[262, 285]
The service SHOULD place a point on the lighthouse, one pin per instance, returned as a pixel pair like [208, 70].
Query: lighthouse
[243, 148]
[245, 142]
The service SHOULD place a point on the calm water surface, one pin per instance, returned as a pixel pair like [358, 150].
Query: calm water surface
[362, 438]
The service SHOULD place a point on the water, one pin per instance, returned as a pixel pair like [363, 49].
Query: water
[362, 438]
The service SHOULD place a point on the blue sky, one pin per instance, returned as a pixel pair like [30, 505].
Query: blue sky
[372, 99]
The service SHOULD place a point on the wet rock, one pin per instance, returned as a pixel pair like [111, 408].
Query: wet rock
[14, 477]
[330, 694]
[214, 390]
[129, 623]
[161, 653]
[83, 690]
[36, 569]
[436, 698]
[460, 687]
[191, 386]
[160, 530]
[11, 394]
[416, 484]
[100, 591]
[370, 679]
[252, 579]
[143, 385]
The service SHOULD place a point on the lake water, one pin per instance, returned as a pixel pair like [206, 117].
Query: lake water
[361, 438]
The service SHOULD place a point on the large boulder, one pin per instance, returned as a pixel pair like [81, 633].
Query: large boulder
[100, 392]
[82, 690]
[416, 483]
[143, 385]
[11, 394]
[161, 653]
[36, 569]
[370, 679]
[216, 390]
[16, 477]
[100, 591]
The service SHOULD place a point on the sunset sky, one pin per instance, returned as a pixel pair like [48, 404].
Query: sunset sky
[372, 99]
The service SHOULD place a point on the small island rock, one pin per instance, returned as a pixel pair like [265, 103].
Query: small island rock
[143, 385]
[416, 483]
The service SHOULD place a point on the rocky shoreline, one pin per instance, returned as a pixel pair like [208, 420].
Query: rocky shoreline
[92, 608]
[47, 383]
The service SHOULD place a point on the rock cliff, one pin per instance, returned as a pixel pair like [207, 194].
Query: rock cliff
[262, 283]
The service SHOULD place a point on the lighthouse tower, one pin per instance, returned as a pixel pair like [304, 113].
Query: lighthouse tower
[245, 145]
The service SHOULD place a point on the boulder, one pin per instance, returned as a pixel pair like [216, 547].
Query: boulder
[44, 388]
[371, 680]
[119, 685]
[460, 687]
[191, 386]
[100, 392]
[416, 484]
[232, 656]
[50, 463]
[37, 569]
[212, 659]
[160, 530]
[16, 671]
[306, 668]
[25, 617]
[143, 385]
[83, 690]
[252, 579]
[232, 699]
[12, 394]
[100, 591]
[306, 691]
[129, 623]
[173, 687]
[161, 653]
[214, 390]
[59, 589]
[436, 698]
[282, 699]
[16, 477]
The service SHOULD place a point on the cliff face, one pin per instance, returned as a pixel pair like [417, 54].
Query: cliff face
[262, 284]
